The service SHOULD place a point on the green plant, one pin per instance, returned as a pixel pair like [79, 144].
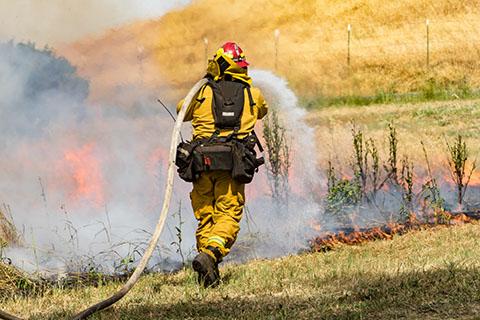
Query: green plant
[278, 156]
[432, 199]
[360, 159]
[178, 233]
[392, 163]
[374, 173]
[406, 182]
[458, 158]
[342, 194]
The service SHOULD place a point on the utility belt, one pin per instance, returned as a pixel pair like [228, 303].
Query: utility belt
[237, 156]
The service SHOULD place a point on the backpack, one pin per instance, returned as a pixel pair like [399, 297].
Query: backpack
[223, 153]
[228, 102]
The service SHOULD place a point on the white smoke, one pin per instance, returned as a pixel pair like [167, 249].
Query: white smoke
[84, 183]
[53, 21]
[278, 230]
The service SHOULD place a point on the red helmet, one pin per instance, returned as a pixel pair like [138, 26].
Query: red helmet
[234, 52]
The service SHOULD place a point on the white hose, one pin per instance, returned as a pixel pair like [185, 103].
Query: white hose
[160, 224]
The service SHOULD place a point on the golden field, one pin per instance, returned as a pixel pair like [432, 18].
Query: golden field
[388, 46]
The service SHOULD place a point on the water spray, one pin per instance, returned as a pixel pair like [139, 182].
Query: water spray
[160, 224]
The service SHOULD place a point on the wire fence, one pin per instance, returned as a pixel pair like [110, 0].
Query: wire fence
[358, 58]
[358, 41]
[423, 38]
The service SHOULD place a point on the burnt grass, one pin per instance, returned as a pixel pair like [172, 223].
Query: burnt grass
[355, 236]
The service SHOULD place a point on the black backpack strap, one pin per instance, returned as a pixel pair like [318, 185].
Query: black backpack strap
[202, 89]
[233, 134]
[250, 98]
[259, 145]
[214, 136]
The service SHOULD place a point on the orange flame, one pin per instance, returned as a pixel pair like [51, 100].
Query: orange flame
[86, 174]
[328, 241]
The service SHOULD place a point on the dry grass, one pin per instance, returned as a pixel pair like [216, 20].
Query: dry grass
[8, 279]
[434, 123]
[8, 232]
[431, 274]
[14, 282]
[388, 45]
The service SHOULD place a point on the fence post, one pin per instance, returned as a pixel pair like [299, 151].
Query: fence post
[349, 28]
[427, 24]
[205, 42]
[276, 39]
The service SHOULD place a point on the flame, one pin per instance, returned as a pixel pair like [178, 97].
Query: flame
[354, 236]
[86, 174]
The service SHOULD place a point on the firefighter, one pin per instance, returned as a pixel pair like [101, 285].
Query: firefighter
[224, 110]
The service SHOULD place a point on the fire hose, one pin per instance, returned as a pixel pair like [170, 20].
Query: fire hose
[160, 224]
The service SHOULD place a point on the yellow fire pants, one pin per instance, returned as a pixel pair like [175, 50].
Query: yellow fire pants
[217, 202]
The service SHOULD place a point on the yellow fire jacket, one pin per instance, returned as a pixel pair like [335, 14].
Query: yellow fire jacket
[201, 114]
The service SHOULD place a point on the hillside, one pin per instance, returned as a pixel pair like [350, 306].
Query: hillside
[430, 274]
[388, 46]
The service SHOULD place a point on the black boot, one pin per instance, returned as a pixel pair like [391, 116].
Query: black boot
[218, 257]
[207, 270]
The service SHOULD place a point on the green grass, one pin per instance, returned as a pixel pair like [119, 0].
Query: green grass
[434, 123]
[431, 274]
[432, 90]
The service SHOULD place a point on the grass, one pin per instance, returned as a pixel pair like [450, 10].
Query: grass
[14, 282]
[430, 274]
[388, 47]
[8, 233]
[428, 93]
[434, 123]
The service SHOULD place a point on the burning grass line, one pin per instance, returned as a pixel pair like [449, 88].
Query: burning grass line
[355, 236]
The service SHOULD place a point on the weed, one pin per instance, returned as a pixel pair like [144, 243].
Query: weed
[390, 191]
[360, 159]
[392, 163]
[178, 233]
[432, 199]
[406, 182]
[342, 195]
[278, 156]
[458, 159]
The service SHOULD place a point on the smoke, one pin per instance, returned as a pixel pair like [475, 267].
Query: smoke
[272, 228]
[84, 183]
[53, 21]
